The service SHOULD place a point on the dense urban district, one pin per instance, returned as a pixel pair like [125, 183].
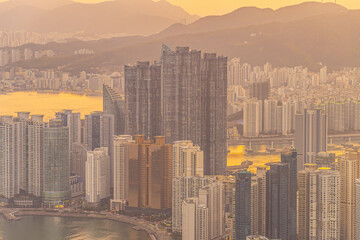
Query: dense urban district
[156, 156]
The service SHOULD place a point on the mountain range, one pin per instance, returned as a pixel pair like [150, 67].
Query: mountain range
[125, 17]
[310, 34]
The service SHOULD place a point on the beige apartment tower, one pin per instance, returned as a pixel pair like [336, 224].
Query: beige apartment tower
[143, 172]
[349, 172]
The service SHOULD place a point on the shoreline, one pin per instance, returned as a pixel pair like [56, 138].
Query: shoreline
[137, 224]
[80, 93]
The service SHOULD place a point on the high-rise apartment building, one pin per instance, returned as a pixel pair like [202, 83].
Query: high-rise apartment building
[318, 203]
[183, 98]
[349, 171]
[290, 157]
[145, 169]
[278, 201]
[56, 164]
[187, 162]
[357, 209]
[310, 136]
[181, 94]
[114, 104]
[99, 132]
[188, 159]
[143, 99]
[121, 172]
[252, 118]
[254, 205]
[72, 121]
[189, 215]
[213, 114]
[203, 217]
[97, 175]
[242, 207]
[78, 161]
[185, 188]
[21, 156]
[260, 216]
[11, 157]
[260, 90]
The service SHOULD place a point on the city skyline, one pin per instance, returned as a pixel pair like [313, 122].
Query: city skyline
[175, 126]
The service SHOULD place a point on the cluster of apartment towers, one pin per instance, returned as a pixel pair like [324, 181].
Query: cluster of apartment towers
[173, 156]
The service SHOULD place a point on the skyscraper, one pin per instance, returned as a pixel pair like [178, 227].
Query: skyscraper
[183, 98]
[99, 132]
[189, 212]
[310, 136]
[278, 201]
[97, 175]
[261, 173]
[11, 157]
[143, 99]
[78, 161]
[203, 216]
[188, 159]
[121, 172]
[181, 94]
[184, 188]
[187, 162]
[144, 167]
[357, 209]
[349, 172]
[318, 203]
[72, 121]
[213, 114]
[290, 157]
[114, 104]
[252, 118]
[21, 157]
[56, 164]
[260, 90]
[242, 207]
[328, 208]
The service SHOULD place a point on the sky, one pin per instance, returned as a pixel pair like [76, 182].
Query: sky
[208, 7]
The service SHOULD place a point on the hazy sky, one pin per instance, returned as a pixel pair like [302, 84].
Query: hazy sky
[206, 7]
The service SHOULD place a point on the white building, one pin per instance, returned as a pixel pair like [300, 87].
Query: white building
[97, 175]
[121, 172]
[184, 188]
[188, 159]
[203, 217]
[252, 118]
[324, 204]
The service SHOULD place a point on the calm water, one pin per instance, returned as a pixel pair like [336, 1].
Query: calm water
[55, 228]
[47, 104]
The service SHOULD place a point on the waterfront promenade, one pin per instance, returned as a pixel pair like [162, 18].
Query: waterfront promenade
[139, 224]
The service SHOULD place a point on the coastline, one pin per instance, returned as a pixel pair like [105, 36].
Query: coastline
[137, 224]
[80, 93]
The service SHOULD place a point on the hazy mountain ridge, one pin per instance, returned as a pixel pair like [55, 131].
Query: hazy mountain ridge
[247, 16]
[331, 39]
[42, 4]
[120, 16]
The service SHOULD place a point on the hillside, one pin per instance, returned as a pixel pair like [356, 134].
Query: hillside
[143, 17]
[247, 16]
[331, 39]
